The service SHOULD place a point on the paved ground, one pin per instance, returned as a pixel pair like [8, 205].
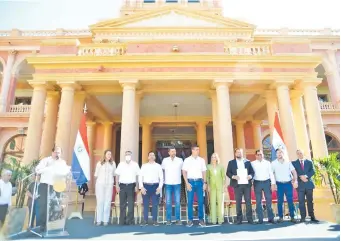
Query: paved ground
[84, 229]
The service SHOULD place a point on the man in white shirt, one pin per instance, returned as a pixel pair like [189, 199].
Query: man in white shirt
[151, 182]
[263, 181]
[49, 168]
[126, 180]
[5, 194]
[172, 166]
[286, 179]
[194, 172]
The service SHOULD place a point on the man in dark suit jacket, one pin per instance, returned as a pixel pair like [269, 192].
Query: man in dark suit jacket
[241, 190]
[305, 171]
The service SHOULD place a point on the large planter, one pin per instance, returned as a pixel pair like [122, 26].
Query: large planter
[336, 212]
[16, 221]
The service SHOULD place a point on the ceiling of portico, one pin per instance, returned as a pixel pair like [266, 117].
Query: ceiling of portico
[189, 104]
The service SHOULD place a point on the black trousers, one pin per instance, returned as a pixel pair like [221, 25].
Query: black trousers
[42, 216]
[303, 195]
[127, 197]
[240, 191]
[3, 213]
[260, 187]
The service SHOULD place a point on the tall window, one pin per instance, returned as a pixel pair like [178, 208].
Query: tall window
[323, 98]
[149, 1]
[171, 1]
[194, 1]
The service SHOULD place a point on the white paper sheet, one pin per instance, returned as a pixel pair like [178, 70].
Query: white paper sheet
[242, 174]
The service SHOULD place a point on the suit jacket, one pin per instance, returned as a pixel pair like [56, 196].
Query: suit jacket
[217, 180]
[232, 171]
[309, 171]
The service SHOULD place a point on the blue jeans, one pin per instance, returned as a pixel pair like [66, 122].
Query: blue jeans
[287, 189]
[151, 194]
[170, 190]
[197, 187]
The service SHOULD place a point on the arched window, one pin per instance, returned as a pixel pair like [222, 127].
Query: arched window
[14, 148]
[267, 147]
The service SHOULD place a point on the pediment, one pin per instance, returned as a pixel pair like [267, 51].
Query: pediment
[171, 17]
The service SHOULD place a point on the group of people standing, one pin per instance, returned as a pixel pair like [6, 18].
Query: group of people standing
[280, 176]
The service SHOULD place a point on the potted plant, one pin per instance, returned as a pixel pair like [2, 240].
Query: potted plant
[18, 211]
[329, 170]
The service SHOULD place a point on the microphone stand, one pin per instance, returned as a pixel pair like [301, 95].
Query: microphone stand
[30, 229]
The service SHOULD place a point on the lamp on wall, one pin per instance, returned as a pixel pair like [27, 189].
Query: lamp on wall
[175, 142]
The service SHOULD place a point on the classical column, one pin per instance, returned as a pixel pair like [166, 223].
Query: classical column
[240, 134]
[272, 108]
[128, 117]
[65, 119]
[224, 122]
[35, 124]
[146, 140]
[300, 122]
[91, 132]
[333, 75]
[315, 123]
[77, 112]
[215, 121]
[287, 120]
[257, 134]
[202, 139]
[49, 130]
[6, 80]
[107, 136]
[136, 153]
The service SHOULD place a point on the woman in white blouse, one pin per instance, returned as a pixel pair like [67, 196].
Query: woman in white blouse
[104, 174]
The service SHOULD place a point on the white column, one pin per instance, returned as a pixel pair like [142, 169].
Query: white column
[215, 122]
[287, 120]
[136, 153]
[225, 122]
[128, 117]
[316, 130]
[257, 134]
[333, 75]
[6, 80]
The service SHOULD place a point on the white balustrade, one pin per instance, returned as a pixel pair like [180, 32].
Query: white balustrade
[21, 109]
[105, 50]
[247, 49]
[329, 106]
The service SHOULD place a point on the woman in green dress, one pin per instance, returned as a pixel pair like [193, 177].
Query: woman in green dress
[216, 186]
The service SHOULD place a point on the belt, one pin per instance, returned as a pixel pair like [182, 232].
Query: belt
[126, 184]
[194, 179]
[146, 183]
[284, 182]
[262, 181]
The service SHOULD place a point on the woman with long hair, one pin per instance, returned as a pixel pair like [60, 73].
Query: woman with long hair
[104, 174]
[216, 185]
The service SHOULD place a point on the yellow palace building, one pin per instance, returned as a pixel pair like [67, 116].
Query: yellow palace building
[169, 72]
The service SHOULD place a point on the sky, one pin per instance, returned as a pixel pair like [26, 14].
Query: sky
[79, 14]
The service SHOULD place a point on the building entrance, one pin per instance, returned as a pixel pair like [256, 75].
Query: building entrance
[183, 149]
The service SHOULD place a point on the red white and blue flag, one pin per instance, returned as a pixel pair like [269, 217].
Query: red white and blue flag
[81, 157]
[278, 140]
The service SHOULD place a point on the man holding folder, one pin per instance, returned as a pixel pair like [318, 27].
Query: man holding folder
[240, 171]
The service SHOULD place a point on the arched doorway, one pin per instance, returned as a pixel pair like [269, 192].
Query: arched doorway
[333, 144]
[14, 148]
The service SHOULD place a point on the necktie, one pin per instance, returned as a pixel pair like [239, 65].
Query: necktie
[302, 166]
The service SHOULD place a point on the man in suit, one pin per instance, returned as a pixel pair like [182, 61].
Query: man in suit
[305, 171]
[240, 190]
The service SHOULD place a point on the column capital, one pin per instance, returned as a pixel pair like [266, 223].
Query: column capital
[311, 82]
[72, 85]
[107, 123]
[256, 122]
[269, 94]
[12, 52]
[139, 95]
[91, 123]
[129, 84]
[239, 122]
[217, 83]
[52, 94]
[202, 123]
[146, 122]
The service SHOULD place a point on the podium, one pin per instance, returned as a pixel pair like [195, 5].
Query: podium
[58, 196]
